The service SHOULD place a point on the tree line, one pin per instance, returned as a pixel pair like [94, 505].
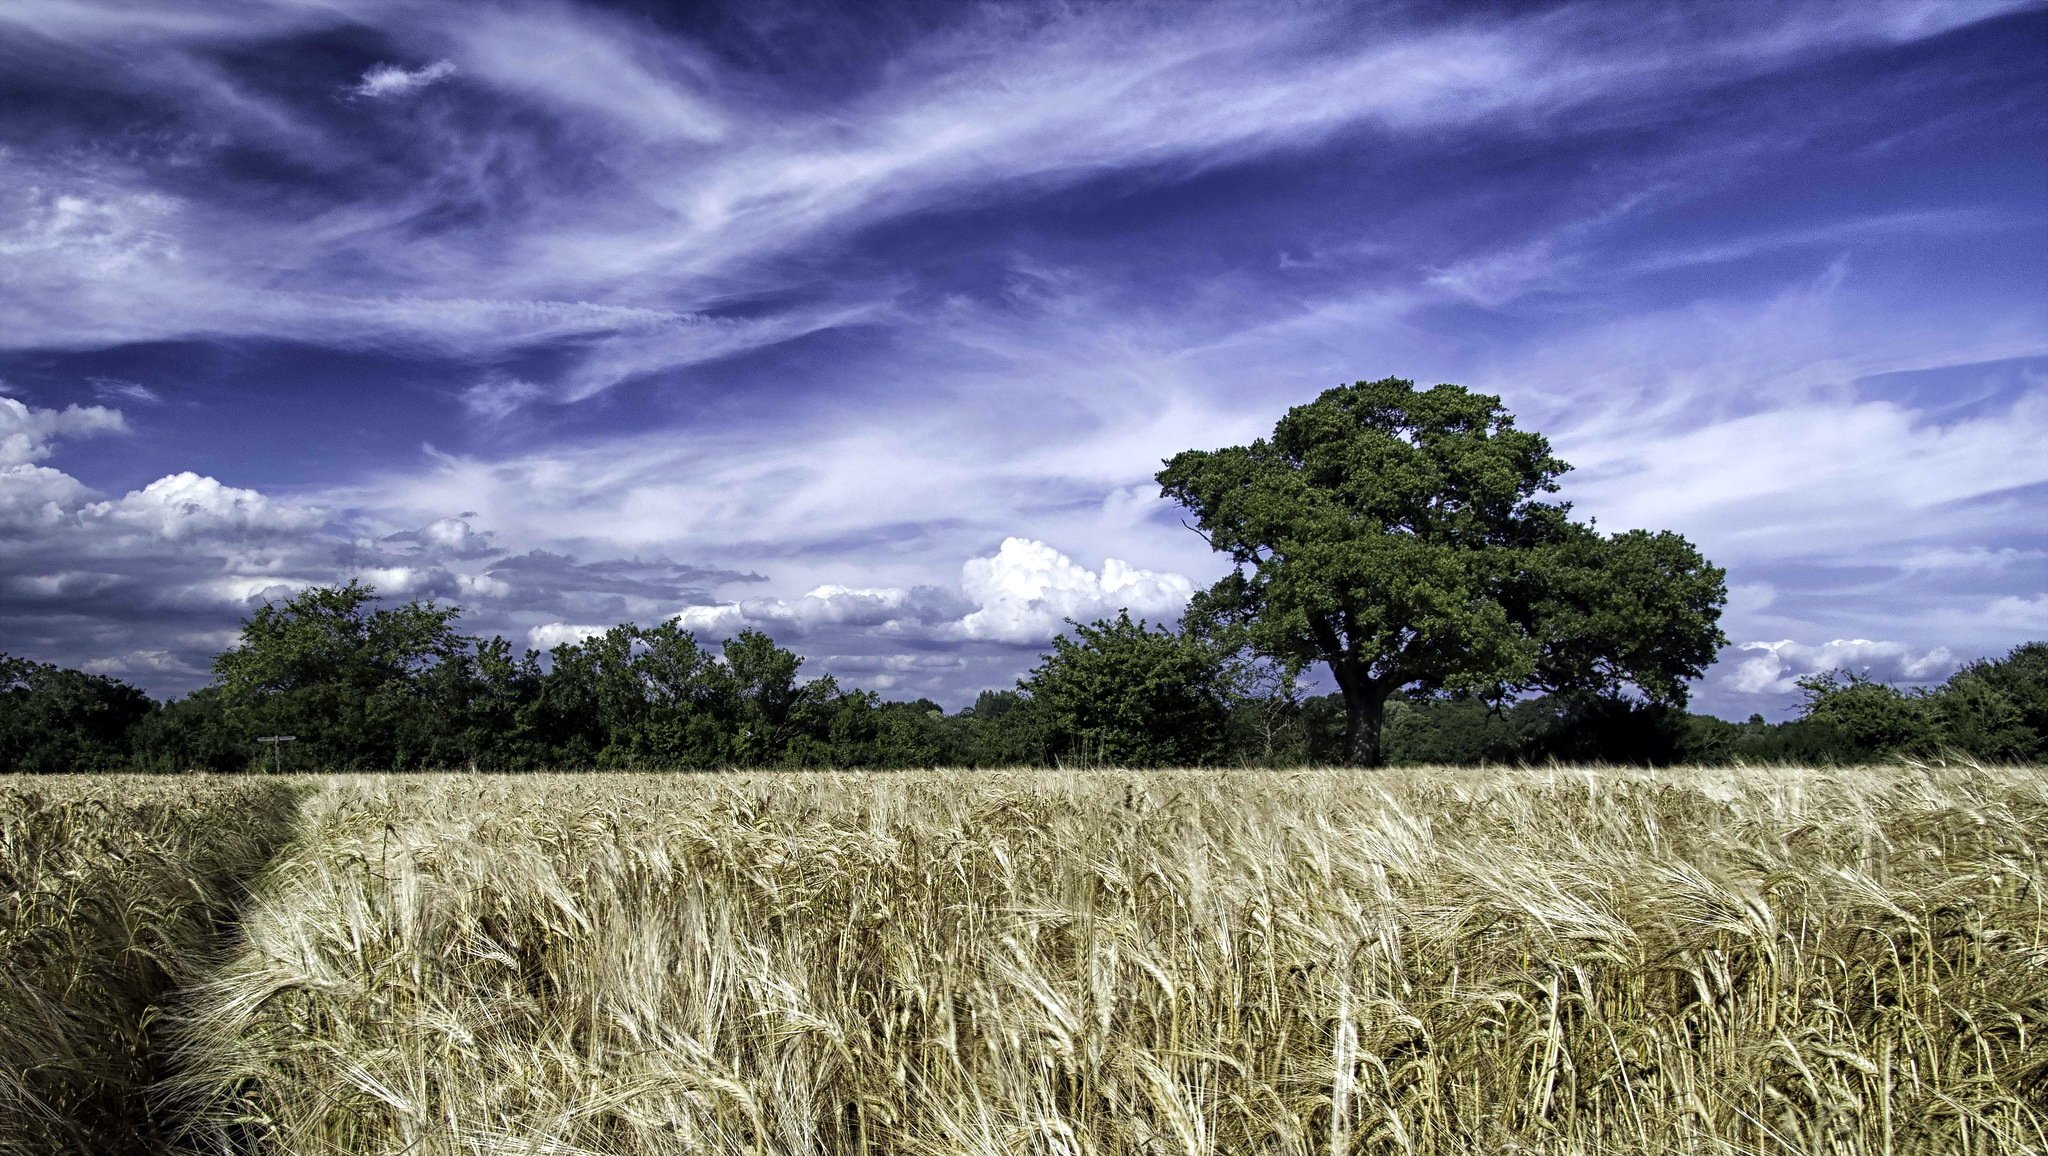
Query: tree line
[1403, 539]
[366, 687]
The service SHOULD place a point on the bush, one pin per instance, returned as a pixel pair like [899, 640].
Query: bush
[1122, 694]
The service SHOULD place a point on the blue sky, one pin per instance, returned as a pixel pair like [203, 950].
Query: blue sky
[868, 325]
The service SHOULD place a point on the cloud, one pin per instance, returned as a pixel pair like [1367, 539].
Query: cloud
[549, 635]
[499, 399]
[1776, 667]
[37, 497]
[1952, 559]
[1027, 590]
[186, 505]
[27, 433]
[831, 608]
[113, 389]
[144, 662]
[892, 663]
[1023, 594]
[584, 62]
[446, 537]
[610, 170]
[2028, 614]
[381, 81]
[722, 620]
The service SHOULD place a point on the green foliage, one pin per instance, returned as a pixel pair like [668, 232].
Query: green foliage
[191, 734]
[55, 720]
[1993, 709]
[1401, 537]
[1122, 694]
[1998, 709]
[1873, 719]
[351, 682]
[1711, 740]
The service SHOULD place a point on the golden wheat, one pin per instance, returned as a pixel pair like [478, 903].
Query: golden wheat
[1427, 961]
[114, 891]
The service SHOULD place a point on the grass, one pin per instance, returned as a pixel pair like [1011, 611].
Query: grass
[114, 892]
[1419, 961]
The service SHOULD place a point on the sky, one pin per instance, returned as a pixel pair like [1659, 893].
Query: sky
[868, 324]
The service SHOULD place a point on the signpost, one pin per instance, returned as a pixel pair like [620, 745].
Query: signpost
[277, 750]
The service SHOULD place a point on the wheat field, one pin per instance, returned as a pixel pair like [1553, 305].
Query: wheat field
[115, 894]
[1463, 961]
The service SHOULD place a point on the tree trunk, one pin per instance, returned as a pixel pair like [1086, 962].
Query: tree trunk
[1365, 706]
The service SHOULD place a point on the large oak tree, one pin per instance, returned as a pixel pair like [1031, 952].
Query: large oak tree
[1403, 537]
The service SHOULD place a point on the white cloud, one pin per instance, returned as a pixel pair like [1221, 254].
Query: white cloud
[718, 621]
[27, 433]
[38, 497]
[1776, 667]
[451, 537]
[500, 398]
[585, 62]
[142, 662]
[894, 663]
[114, 389]
[553, 634]
[241, 591]
[1023, 593]
[482, 586]
[1027, 590]
[745, 175]
[2029, 614]
[187, 504]
[1751, 597]
[828, 605]
[1951, 559]
[402, 581]
[387, 80]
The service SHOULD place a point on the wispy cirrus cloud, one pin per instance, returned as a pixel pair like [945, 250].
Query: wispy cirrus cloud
[381, 81]
[759, 180]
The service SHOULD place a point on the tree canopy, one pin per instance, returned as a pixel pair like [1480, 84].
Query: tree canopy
[1403, 537]
[346, 677]
[55, 720]
[1120, 693]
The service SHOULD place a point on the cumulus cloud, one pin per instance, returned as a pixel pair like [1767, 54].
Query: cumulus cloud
[721, 620]
[387, 80]
[1776, 667]
[1027, 590]
[830, 607]
[893, 663]
[611, 589]
[481, 586]
[34, 497]
[1023, 593]
[186, 504]
[27, 433]
[549, 635]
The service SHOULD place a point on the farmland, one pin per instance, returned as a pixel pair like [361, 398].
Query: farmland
[1718, 960]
